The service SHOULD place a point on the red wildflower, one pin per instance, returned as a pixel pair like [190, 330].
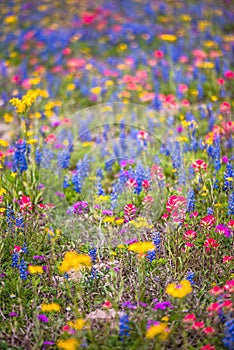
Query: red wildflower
[107, 304]
[208, 221]
[225, 107]
[143, 135]
[199, 164]
[190, 234]
[229, 286]
[189, 318]
[176, 206]
[227, 304]
[229, 74]
[25, 203]
[207, 347]
[216, 290]
[210, 243]
[129, 211]
[209, 330]
[145, 184]
[214, 307]
[131, 183]
[230, 224]
[158, 54]
[198, 325]
[147, 199]
[227, 259]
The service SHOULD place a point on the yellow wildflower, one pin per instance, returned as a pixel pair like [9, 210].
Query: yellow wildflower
[8, 118]
[4, 143]
[23, 105]
[96, 90]
[35, 269]
[77, 324]
[141, 247]
[2, 191]
[168, 37]
[2, 210]
[73, 260]
[109, 219]
[179, 291]
[68, 344]
[119, 221]
[53, 307]
[158, 329]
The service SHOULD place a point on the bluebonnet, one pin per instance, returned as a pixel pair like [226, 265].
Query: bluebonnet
[66, 182]
[19, 161]
[93, 254]
[25, 248]
[190, 277]
[23, 269]
[228, 339]
[151, 255]
[64, 158]
[10, 217]
[100, 190]
[210, 211]
[81, 173]
[156, 240]
[190, 201]
[19, 222]
[231, 204]
[229, 173]
[124, 326]
[38, 156]
[139, 176]
[46, 157]
[15, 259]
[117, 188]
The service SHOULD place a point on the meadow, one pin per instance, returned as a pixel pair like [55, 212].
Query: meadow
[116, 175]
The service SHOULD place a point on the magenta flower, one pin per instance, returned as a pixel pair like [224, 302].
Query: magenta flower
[43, 318]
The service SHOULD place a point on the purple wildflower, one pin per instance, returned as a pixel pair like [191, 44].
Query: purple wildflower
[162, 306]
[13, 314]
[43, 318]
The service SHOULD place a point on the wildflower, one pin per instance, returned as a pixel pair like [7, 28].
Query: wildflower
[209, 330]
[214, 307]
[107, 304]
[162, 306]
[43, 318]
[189, 235]
[216, 290]
[229, 286]
[207, 347]
[73, 260]
[77, 324]
[179, 291]
[68, 344]
[25, 103]
[35, 269]
[189, 318]
[176, 206]
[208, 221]
[53, 307]
[199, 164]
[227, 258]
[23, 269]
[225, 107]
[124, 326]
[222, 229]
[131, 183]
[129, 211]
[190, 277]
[228, 339]
[198, 325]
[141, 247]
[157, 329]
[210, 243]
[13, 314]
